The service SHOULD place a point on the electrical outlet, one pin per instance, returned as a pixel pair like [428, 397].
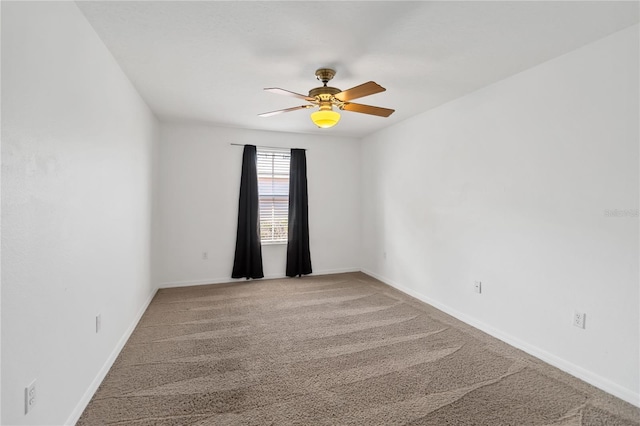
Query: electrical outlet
[477, 285]
[205, 255]
[29, 397]
[98, 323]
[579, 319]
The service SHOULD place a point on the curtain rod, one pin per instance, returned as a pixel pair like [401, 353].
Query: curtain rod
[262, 146]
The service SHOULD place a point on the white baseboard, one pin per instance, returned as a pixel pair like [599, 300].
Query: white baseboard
[93, 387]
[225, 280]
[207, 281]
[564, 365]
[337, 271]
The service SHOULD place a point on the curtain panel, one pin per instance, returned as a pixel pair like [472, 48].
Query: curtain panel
[248, 257]
[298, 254]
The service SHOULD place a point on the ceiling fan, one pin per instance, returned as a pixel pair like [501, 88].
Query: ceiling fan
[326, 98]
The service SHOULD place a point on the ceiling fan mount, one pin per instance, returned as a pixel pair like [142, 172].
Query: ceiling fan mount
[325, 75]
[326, 97]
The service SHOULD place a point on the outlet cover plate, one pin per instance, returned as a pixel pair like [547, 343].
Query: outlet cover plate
[579, 319]
[29, 397]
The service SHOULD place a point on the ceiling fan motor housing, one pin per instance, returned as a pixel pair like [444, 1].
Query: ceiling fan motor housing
[324, 91]
[325, 95]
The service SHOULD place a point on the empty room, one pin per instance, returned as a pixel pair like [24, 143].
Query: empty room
[320, 213]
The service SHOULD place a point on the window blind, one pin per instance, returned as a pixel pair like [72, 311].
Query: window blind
[273, 193]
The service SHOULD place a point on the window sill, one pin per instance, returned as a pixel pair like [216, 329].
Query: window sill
[273, 243]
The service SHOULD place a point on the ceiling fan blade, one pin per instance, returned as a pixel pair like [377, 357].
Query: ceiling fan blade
[368, 109]
[288, 93]
[364, 89]
[280, 111]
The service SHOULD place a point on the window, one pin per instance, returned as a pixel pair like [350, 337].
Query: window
[273, 193]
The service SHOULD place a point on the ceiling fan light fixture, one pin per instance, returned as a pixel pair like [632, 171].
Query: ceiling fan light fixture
[326, 117]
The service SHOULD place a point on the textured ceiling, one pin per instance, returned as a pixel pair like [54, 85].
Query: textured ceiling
[209, 61]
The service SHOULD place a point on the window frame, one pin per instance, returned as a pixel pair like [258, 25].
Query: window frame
[279, 193]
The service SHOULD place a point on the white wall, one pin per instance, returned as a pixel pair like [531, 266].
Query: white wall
[510, 185]
[77, 149]
[200, 181]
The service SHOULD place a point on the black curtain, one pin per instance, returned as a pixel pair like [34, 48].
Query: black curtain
[248, 259]
[298, 255]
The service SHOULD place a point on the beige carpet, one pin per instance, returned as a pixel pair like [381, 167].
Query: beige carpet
[330, 350]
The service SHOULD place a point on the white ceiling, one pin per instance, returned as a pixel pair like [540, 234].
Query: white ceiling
[209, 61]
